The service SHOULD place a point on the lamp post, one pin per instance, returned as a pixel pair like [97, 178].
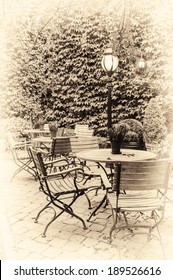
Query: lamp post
[109, 65]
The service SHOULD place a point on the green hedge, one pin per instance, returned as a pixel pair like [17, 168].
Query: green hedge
[57, 71]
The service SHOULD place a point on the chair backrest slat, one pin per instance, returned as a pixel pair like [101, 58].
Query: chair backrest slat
[84, 143]
[61, 146]
[38, 161]
[81, 126]
[14, 140]
[146, 175]
[82, 130]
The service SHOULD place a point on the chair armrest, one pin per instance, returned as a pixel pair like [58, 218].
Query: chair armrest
[55, 161]
[21, 144]
[41, 151]
[105, 180]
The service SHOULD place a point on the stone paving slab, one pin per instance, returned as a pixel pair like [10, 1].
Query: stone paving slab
[21, 238]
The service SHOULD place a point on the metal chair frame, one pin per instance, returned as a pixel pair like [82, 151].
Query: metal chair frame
[58, 186]
[21, 155]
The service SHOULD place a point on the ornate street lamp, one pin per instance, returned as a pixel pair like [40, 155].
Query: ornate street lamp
[140, 65]
[109, 65]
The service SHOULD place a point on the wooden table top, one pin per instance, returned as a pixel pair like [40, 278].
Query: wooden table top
[105, 155]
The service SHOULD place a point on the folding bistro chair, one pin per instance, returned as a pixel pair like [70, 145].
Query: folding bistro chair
[82, 130]
[91, 169]
[19, 149]
[60, 147]
[137, 188]
[79, 144]
[62, 189]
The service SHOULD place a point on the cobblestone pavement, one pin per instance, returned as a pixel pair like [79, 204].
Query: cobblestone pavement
[21, 238]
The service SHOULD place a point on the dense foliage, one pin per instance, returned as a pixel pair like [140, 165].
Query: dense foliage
[154, 125]
[56, 70]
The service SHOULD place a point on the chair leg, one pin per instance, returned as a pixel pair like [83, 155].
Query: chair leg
[115, 218]
[100, 204]
[53, 219]
[153, 216]
[24, 167]
[47, 206]
[68, 209]
[64, 208]
[166, 197]
[125, 218]
[89, 202]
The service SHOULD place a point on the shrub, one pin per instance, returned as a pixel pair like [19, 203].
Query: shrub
[166, 105]
[131, 136]
[13, 124]
[154, 125]
[136, 130]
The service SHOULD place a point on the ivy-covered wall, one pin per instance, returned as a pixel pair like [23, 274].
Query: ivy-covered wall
[57, 71]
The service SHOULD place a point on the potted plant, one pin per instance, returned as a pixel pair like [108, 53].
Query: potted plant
[134, 137]
[116, 136]
[53, 126]
[39, 121]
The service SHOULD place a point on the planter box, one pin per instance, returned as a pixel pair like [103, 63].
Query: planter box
[130, 145]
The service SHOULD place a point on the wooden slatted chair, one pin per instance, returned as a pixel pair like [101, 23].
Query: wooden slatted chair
[19, 148]
[91, 170]
[137, 189]
[60, 147]
[82, 130]
[79, 144]
[62, 189]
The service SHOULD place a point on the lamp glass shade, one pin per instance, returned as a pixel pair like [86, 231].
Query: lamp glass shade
[109, 62]
[141, 63]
